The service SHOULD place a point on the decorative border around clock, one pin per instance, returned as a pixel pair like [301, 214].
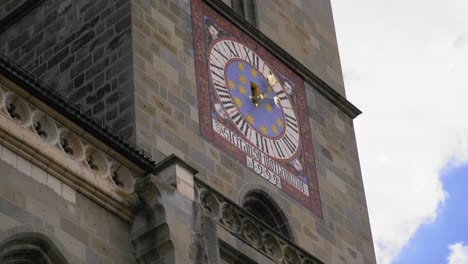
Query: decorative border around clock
[199, 9]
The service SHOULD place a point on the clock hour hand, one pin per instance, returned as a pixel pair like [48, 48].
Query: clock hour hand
[257, 95]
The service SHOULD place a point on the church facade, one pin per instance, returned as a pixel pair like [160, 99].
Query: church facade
[177, 131]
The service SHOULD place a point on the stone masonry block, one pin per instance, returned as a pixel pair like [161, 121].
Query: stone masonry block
[43, 211]
[7, 222]
[68, 193]
[24, 166]
[76, 247]
[184, 174]
[9, 156]
[14, 194]
[54, 183]
[66, 36]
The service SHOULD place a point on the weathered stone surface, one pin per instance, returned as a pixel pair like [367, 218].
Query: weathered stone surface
[45, 209]
[310, 24]
[79, 47]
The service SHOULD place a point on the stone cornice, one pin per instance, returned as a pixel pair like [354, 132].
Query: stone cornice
[340, 101]
[65, 152]
[250, 229]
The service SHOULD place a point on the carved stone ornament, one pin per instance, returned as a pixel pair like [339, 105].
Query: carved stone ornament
[230, 218]
[252, 231]
[290, 256]
[209, 203]
[271, 245]
[54, 133]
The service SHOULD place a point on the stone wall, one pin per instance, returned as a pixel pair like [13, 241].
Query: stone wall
[33, 201]
[167, 123]
[345, 225]
[305, 29]
[83, 49]
[7, 6]
[165, 89]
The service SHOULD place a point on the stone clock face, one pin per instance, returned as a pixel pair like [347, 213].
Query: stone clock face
[251, 97]
[253, 107]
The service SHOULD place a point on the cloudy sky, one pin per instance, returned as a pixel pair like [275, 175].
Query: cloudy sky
[405, 64]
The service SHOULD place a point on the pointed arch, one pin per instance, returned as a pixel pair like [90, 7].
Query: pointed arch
[261, 205]
[30, 248]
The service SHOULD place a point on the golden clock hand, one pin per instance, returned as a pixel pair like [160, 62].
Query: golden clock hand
[275, 99]
[271, 79]
[255, 94]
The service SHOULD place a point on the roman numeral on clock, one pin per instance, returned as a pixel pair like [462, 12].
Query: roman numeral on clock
[289, 144]
[266, 146]
[251, 57]
[291, 122]
[278, 149]
[228, 105]
[282, 95]
[221, 88]
[216, 48]
[232, 49]
[224, 96]
[241, 123]
[221, 69]
[244, 127]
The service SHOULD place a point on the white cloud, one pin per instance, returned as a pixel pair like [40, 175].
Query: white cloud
[461, 42]
[412, 88]
[458, 254]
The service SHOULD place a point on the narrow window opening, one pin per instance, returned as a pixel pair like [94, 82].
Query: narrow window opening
[238, 6]
[245, 8]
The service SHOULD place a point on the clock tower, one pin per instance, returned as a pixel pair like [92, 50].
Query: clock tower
[177, 131]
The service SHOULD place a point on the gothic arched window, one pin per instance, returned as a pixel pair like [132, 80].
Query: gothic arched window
[265, 209]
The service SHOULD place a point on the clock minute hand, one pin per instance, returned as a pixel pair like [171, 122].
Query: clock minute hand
[255, 94]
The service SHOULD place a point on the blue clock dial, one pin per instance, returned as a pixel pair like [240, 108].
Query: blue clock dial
[253, 99]
[265, 117]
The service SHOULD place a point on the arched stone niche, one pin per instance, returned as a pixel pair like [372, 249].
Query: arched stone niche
[30, 248]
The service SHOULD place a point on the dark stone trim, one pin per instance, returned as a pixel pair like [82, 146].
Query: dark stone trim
[328, 92]
[75, 114]
[18, 14]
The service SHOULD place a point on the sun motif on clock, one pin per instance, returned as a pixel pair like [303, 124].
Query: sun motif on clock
[253, 106]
